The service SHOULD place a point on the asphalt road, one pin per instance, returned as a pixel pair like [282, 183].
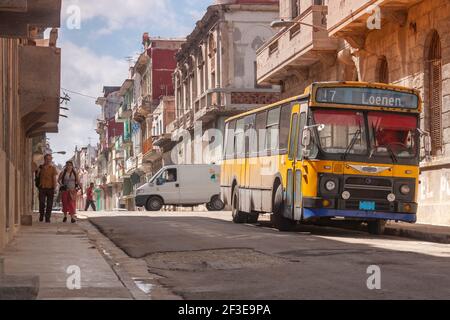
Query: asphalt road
[205, 256]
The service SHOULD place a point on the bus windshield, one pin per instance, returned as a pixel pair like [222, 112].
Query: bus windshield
[388, 134]
[344, 132]
[393, 133]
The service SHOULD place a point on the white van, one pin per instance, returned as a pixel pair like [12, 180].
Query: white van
[182, 185]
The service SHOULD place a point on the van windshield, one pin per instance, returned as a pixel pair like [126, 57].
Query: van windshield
[156, 175]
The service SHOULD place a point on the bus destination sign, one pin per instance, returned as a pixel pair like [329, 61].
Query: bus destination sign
[367, 97]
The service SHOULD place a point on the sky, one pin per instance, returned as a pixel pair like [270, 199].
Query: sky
[97, 38]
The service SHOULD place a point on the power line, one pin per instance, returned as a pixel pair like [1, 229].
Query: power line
[80, 94]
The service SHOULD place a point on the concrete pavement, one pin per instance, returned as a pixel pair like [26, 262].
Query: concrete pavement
[54, 252]
[205, 256]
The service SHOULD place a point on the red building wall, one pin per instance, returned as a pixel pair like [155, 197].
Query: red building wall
[163, 66]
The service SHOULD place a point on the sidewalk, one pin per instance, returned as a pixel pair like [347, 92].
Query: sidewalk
[48, 250]
[419, 232]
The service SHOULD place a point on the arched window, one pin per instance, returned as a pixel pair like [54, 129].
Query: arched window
[433, 93]
[382, 70]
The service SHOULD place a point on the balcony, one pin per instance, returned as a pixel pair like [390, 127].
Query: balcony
[296, 48]
[130, 165]
[124, 113]
[16, 17]
[226, 102]
[111, 179]
[39, 99]
[348, 18]
[147, 146]
[117, 154]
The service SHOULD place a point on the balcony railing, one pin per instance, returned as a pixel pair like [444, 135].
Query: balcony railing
[296, 47]
[147, 146]
[130, 164]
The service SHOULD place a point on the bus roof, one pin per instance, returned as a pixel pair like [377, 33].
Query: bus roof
[312, 89]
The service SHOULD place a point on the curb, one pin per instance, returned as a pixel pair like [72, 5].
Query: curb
[417, 234]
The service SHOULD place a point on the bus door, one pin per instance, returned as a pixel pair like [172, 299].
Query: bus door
[290, 163]
[301, 170]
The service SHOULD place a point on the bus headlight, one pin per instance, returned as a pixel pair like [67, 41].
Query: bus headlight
[346, 195]
[391, 197]
[405, 189]
[330, 185]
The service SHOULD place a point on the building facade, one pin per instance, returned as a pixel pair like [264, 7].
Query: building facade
[29, 104]
[400, 42]
[216, 74]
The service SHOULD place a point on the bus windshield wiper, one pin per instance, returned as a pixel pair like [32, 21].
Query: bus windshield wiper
[352, 144]
[391, 152]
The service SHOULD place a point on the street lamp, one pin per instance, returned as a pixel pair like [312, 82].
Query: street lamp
[289, 23]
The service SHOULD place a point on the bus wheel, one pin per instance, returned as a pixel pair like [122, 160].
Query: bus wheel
[253, 217]
[278, 220]
[377, 227]
[154, 204]
[238, 216]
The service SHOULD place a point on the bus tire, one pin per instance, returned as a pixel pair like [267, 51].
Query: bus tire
[376, 227]
[238, 216]
[280, 222]
[154, 203]
[253, 217]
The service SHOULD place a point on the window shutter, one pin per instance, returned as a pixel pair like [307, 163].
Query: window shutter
[436, 105]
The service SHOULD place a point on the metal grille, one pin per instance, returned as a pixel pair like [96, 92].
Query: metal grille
[361, 181]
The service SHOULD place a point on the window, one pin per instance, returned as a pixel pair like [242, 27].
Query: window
[229, 143]
[272, 131]
[383, 70]
[433, 84]
[261, 123]
[239, 139]
[285, 123]
[295, 5]
[293, 135]
[250, 136]
[169, 176]
[303, 120]
[344, 131]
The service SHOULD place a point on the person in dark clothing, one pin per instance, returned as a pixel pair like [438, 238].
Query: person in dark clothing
[90, 198]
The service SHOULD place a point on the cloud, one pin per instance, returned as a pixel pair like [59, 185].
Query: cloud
[121, 14]
[85, 72]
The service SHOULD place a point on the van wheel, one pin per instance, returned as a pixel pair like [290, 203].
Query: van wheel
[238, 216]
[154, 204]
[376, 227]
[278, 220]
[216, 204]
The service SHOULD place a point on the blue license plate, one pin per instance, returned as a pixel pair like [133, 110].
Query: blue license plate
[367, 205]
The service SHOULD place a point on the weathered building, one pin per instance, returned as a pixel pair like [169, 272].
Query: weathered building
[29, 102]
[216, 72]
[401, 42]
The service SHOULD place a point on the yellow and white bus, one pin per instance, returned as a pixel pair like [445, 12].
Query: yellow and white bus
[341, 150]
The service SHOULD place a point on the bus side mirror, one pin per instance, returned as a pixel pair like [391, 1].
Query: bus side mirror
[306, 137]
[159, 181]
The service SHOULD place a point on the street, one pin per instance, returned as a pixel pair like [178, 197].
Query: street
[203, 255]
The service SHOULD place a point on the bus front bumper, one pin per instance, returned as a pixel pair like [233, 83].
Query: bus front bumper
[313, 208]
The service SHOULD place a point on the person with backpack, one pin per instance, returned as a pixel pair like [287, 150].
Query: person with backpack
[70, 185]
[46, 183]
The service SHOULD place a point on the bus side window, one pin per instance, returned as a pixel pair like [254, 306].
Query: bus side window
[285, 124]
[250, 136]
[273, 131]
[229, 143]
[239, 139]
[261, 123]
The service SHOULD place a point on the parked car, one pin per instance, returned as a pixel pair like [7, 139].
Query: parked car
[182, 185]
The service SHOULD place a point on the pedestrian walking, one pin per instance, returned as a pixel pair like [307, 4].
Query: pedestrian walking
[46, 183]
[90, 198]
[70, 185]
